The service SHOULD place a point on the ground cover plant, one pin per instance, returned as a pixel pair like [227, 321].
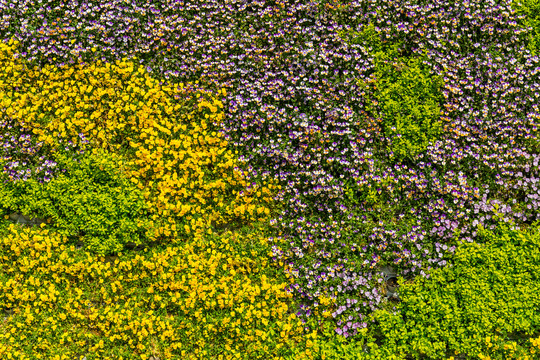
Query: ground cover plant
[352, 134]
[482, 307]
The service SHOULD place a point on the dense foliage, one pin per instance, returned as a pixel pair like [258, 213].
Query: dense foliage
[489, 291]
[91, 198]
[483, 306]
[394, 130]
[407, 99]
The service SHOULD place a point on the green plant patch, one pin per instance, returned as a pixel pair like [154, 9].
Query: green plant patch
[530, 8]
[488, 292]
[92, 198]
[402, 96]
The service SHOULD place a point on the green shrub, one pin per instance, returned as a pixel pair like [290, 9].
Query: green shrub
[489, 292]
[92, 199]
[531, 9]
[401, 95]
[338, 348]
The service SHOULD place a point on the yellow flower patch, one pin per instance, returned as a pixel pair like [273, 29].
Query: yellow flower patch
[200, 299]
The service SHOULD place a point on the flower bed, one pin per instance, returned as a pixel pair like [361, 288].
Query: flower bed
[351, 136]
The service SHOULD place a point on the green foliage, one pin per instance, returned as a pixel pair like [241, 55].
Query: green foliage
[92, 198]
[490, 290]
[531, 9]
[363, 347]
[402, 95]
